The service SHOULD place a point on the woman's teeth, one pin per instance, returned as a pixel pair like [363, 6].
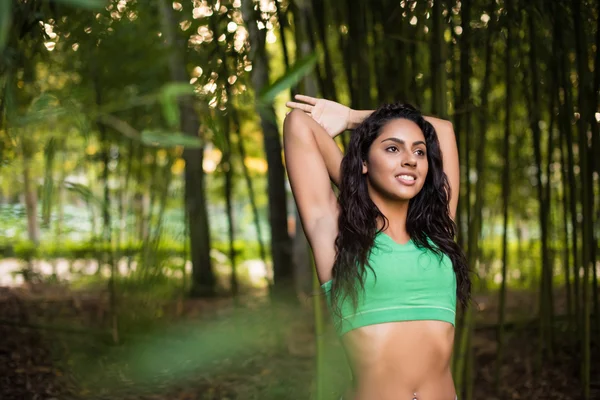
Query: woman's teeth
[406, 177]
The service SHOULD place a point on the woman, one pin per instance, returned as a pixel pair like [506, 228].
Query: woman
[384, 249]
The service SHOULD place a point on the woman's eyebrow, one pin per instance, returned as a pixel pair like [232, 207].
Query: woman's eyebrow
[400, 141]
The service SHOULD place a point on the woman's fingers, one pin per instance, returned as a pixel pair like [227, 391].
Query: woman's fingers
[304, 107]
[306, 99]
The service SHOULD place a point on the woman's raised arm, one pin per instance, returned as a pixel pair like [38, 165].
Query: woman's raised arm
[447, 139]
[311, 158]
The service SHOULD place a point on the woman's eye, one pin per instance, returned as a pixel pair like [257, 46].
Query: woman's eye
[420, 152]
[392, 149]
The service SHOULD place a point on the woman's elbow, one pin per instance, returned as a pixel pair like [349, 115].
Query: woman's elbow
[294, 121]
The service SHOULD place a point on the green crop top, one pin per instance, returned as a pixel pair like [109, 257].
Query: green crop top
[410, 284]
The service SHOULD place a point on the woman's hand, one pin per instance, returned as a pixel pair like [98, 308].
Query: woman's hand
[333, 117]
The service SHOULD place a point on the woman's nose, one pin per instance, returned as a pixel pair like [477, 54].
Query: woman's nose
[409, 161]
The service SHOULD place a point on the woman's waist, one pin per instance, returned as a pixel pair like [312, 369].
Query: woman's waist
[406, 348]
[393, 382]
[387, 385]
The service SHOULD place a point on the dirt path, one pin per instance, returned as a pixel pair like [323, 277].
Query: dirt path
[50, 363]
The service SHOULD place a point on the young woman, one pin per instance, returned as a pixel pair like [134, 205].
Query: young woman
[384, 248]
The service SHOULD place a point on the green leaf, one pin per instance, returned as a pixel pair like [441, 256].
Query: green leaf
[298, 71]
[174, 89]
[5, 22]
[88, 4]
[84, 193]
[42, 102]
[158, 138]
[42, 107]
[168, 97]
[217, 127]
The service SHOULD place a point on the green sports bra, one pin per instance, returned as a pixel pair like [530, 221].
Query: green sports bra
[410, 284]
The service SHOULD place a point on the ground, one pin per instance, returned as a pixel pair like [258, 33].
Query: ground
[56, 343]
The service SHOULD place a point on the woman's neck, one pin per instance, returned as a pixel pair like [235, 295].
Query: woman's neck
[396, 213]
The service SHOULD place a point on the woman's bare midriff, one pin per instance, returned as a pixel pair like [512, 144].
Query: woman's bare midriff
[394, 360]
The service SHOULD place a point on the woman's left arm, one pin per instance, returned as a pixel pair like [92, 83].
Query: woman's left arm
[447, 139]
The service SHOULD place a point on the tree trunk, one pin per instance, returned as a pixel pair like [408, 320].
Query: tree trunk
[282, 24]
[357, 27]
[203, 279]
[328, 90]
[383, 53]
[164, 189]
[505, 180]
[60, 198]
[125, 191]
[462, 354]
[344, 42]
[476, 226]
[303, 271]
[438, 62]
[235, 127]
[546, 303]
[566, 118]
[48, 191]
[595, 150]
[248, 179]
[105, 156]
[586, 186]
[398, 54]
[226, 160]
[566, 253]
[415, 87]
[463, 116]
[228, 192]
[91, 177]
[463, 129]
[31, 198]
[304, 46]
[550, 225]
[106, 253]
[280, 239]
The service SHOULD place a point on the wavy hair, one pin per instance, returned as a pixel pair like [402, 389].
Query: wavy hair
[428, 212]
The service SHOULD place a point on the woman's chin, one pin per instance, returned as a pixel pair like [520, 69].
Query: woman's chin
[402, 197]
[407, 193]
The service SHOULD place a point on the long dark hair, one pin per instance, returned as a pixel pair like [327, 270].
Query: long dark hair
[428, 212]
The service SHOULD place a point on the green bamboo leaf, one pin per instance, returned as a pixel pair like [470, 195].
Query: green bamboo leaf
[158, 138]
[168, 97]
[88, 4]
[175, 89]
[42, 107]
[43, 102]
[298, 71]
[5, 22]
[84, 193]
[216, 127]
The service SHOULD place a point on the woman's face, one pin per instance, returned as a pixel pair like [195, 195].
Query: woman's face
[397, 165]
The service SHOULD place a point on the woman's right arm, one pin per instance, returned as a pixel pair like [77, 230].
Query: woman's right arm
[311, 158]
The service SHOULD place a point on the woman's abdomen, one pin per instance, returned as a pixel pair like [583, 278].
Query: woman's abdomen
[394, 360]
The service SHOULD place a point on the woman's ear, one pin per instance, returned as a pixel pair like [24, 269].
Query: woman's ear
[364, 167]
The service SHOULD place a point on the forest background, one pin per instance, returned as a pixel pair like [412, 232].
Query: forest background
[149, 244]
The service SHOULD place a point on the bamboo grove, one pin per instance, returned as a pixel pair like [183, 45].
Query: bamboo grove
[158, 86]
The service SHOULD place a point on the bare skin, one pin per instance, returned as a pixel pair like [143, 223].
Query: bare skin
[395, 360]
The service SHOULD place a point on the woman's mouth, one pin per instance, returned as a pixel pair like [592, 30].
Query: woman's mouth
[406, 179]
